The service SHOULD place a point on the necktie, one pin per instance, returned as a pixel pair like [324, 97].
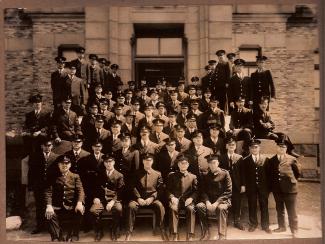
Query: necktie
[158, 137]
[98, 132]
[230, 162]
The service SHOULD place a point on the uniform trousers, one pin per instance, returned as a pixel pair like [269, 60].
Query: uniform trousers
[190, 218]
[262, 197]
[222, 213]
[157, 207]
[289, 201]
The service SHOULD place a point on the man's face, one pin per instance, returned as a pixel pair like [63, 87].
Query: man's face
[147, 163]
[64, 167]
[66, 105]
[60, 65]
[210, 69]
[161, 110]
[154, 97]
[198, 140]
[121, 100]
[281, 149]
[191, 92]
[195, 106]
[213, 165]
[231, 60]
[47, 148]
[136, 107]
[72, 71]
[114, 70]
[173, 96]
[101, 65]
[172, 118]
[144, 133]
[129, 119]
[264, 105]
[207, 94]
[93, 110]
[171, 146]
[99, 124]
[231, 146]
[254, 149]
[159, 128]
[103, 106]
[118, 111]
[222, 58]
[76, 145]
[116, 128]
[129, 95]
[180, 133]
[261, 64]
[191, 123]
[37, 106]
[98, 89]
[214, 132]
[93, 61]
[183, 165]
[181, 87]
[109, 164]
[144, 92]
[109, 95]
[97, 149]
[240, 103]
[184, 110]
[126, 142]
[238, 68]
[80, 55]
[148, 112]
[213, 104]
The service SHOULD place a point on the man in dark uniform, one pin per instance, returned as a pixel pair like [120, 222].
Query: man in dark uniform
[105, 69]
[231, 59]
[232, 162]
[146, 185]
[38, 174]
[107, 196]
[65, 122]
[57, 81]
[182, 192]
[80, 63]
[36, 125]
[207, 81]
[64, 197]
[94, 73]
[182, 143]
[169, 128]
[215, 140]
[114, 80]
[215, 192]
[88, 121]
[191, 125]
[222, 76]
[157, 136]
[283, 171]
[262, 82]
[256, 186]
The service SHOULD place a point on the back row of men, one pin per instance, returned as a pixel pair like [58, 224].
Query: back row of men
[225, 80]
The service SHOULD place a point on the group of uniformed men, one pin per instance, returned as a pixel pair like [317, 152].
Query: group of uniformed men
[165, 148]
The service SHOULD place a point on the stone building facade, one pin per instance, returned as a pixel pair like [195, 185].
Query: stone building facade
[287, 34]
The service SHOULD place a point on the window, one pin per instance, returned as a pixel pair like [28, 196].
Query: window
[249, 53]
[159, 47]
[68, 51]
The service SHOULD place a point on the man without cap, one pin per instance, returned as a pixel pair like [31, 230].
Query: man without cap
[39, 171]
[215, 196]
[146, 185]
[57, 80]
[64, 198]
[182, 187]
[107, 196]
[36, 126]
[80, 63]
[65, 122]
[283, 172]
[157, 135]
[256, 186]
[262, 82]
[232, 162]
[215, 139]
[197, 155]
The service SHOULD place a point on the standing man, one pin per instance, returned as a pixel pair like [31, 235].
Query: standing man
[232, 162]
[64, 197]
[80, 63]
[207, 81]
[57, 81]
[262, 82]
[114, 80]
[283, 171]
[215, 198]
[231, 59]
[107, 196]
[182, 187]
[94, 73]
[38, 174]
[222, 76]
[146, 185]
[256, 186]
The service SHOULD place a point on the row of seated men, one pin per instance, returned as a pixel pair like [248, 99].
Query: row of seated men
[224, 78]
[79, 185]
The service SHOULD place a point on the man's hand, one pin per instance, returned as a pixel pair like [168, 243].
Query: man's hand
[36, 133]
[242, 189]
[96, 201]
[57, 140]
[173, 204]
[149, 201]
[250, 102]
[110, 205]
[232, 104]
[141, 202]
[209, 206]
[188, 201]
[80, 208]
[49, 212]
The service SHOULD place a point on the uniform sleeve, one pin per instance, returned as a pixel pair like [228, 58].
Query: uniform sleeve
[226, 195]
[80, 190]
[120, 188]
[272, 87]
[194, 194]
[48, 195]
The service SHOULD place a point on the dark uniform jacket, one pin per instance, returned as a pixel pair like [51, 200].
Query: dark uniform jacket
[216, 187]
[94, 75]
[197, 159]
[38, 171]
[165, 164]
[262, 85]
[241, 120]
[65, 125]
[234, 168]
[210, 117]
[76, 161]
[260, 117]
[57, 84]
[182, 186]
[254, 174]
[218, 148]
[76, 89]
[147, 184]
[81, 67]
[208, 81]
[113, 83]
[239, 88]
[283, 175]
[109, 187]
[127, 162]
[222, 75]
[65, 191]
[39, 122]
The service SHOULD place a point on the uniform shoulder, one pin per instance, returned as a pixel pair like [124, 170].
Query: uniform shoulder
[156, 172]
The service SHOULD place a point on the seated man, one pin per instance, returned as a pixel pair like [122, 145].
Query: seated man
[64, 198]
[109, 185]
[215, 197]
[146, 184]
[182, 193]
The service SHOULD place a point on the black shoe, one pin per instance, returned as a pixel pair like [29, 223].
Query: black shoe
[164, 235]
[99, 236]
[252, 228]
[267, 230]
[174, 237]
[113, 235]
[75, 238]
[55, 240]
[280, 229]
[239, 226]
[205, 236]
[190, 237]
[36, 231]
[294, 234]
[128, 236]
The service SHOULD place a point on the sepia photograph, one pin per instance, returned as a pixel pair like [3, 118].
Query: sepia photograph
[162, 122]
